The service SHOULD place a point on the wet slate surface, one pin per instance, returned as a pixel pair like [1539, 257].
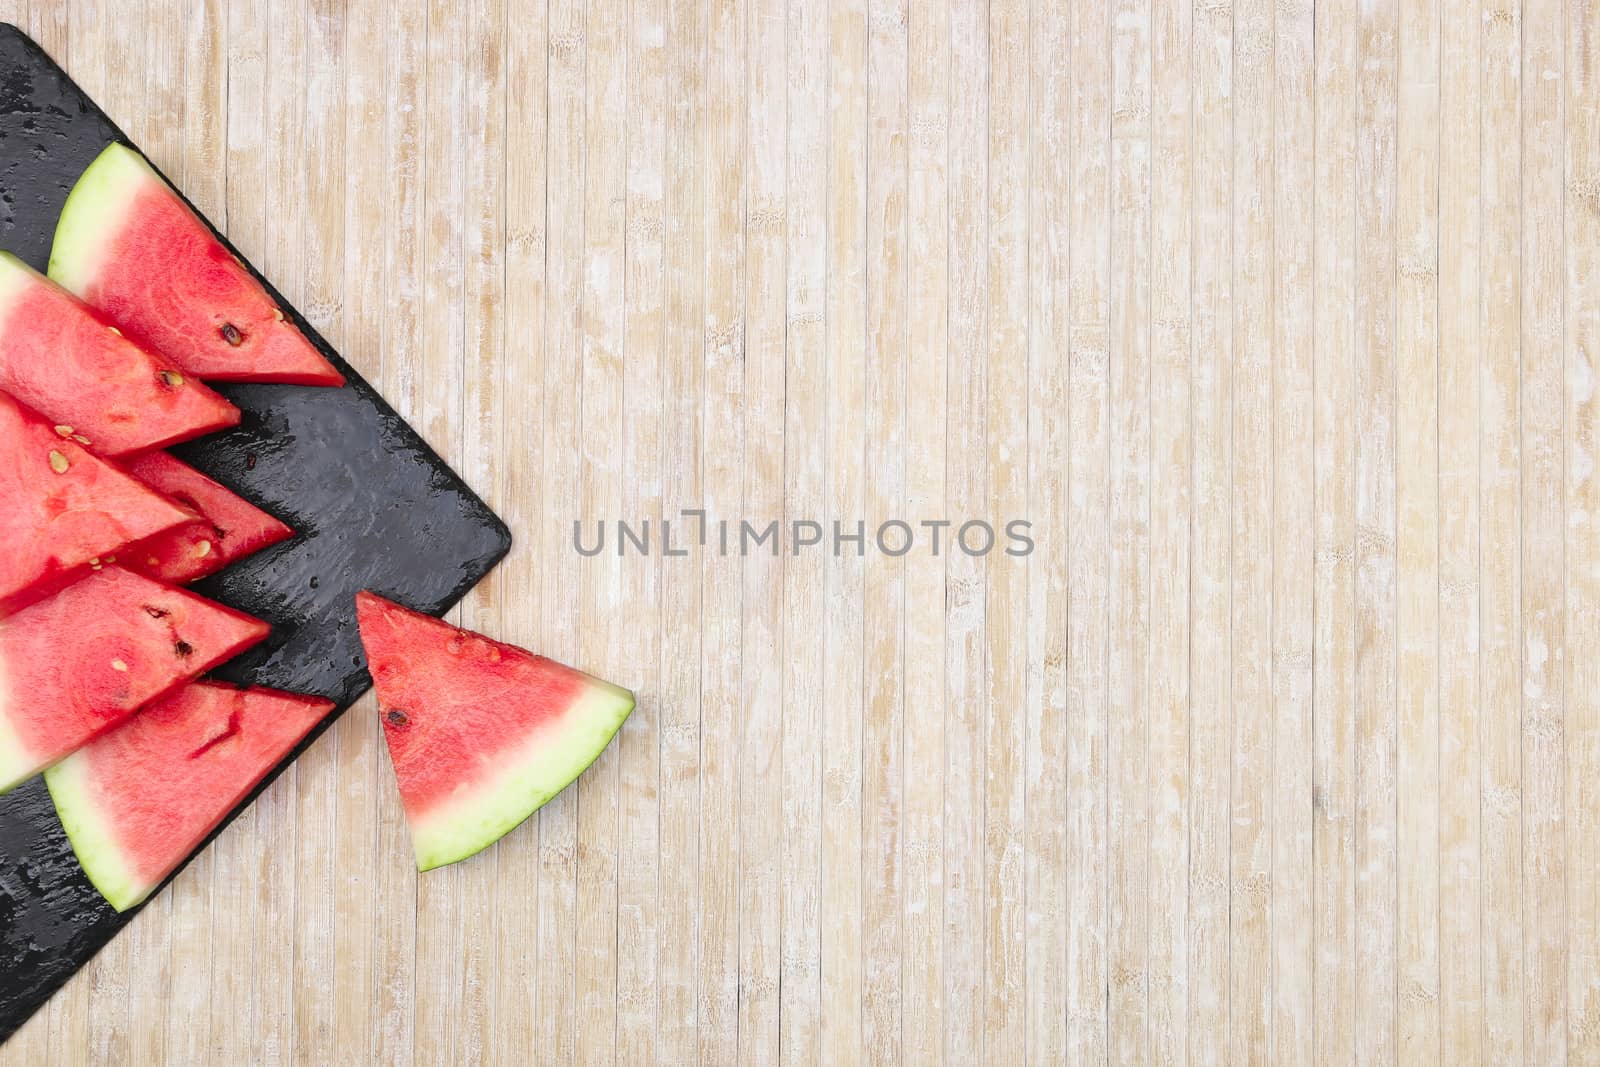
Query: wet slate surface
[374, 508]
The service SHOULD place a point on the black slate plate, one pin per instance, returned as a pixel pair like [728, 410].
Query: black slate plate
[374, 507]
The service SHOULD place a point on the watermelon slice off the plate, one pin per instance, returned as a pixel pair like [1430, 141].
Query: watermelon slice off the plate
[229, 527]
[63, 509]
[481, 733]
[139, 799]
[58, 358]
[130, 247]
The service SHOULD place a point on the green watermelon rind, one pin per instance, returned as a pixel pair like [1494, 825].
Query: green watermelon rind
[95, 211]
[551, 760]
[91, 838]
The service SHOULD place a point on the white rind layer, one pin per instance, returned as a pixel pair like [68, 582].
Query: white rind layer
[72, 789]
[549, 761]
[15, 279]
[17, 763]
[94, 213]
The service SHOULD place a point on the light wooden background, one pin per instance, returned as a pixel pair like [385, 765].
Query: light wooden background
[1279, 324]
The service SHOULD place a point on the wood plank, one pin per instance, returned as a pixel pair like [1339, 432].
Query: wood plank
[1417, 537]
[1460, 322]
[1293, 552]
[1250, 591]
[966, 493]
[556, 1029]
[845, 498]
[639, 748]
[1006, 575]
[763, 626]
[603, 324]
[721, 600]
[1544, 574]
[805, 486]
[883, 593]
[1049, 326]
[1209, 575]
[677, 976]
[1581, 344]
[1500, 563]
[1128, 679]
[1171, 451]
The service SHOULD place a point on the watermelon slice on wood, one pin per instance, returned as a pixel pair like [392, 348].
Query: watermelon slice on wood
[80, 662]
[139, 799]
[229, 528]
[481, 733]
[58, 358]
[130, 247]
[62, 509]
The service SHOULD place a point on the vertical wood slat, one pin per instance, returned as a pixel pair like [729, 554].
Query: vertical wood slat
[1418, 1037]
[965, 494]
[1209, 650]
[763, 628]
[1129, 524]
[1293, 547]
[1171, 451]
[1460, 322]
[603, 324]
[1500, 545]
[883, 592]
[1581, 116]
[805, 467]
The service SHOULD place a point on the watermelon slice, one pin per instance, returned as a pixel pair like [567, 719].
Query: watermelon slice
[139, 799]
[129, 246]
[80, 662]
[481, 734]
[229, 528]
[62, 509]
[62, 361]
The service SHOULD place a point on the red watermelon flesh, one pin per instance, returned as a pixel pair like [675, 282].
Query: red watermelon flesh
[139, 799]
[229, 528]
[130, 247]
[110, 394]
[80, 662]
[481, 733]
[62, 509]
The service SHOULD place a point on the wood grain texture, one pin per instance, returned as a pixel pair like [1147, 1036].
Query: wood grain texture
[1277, 320]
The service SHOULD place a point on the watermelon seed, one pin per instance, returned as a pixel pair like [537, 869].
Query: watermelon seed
[58, 462]
[155, 612]
[183, 648]
[172, 378]
[114, 330]
[64, 431]
[231, 334]
[397, 718]
[202, 550]
[82, 440]
[118, 665]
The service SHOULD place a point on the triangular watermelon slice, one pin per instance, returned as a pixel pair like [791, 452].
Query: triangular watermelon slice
[58, 358]
[130, 247]
[62, 509]
[80, 662]
[229, 528]
[139, 799]
[481, 733]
